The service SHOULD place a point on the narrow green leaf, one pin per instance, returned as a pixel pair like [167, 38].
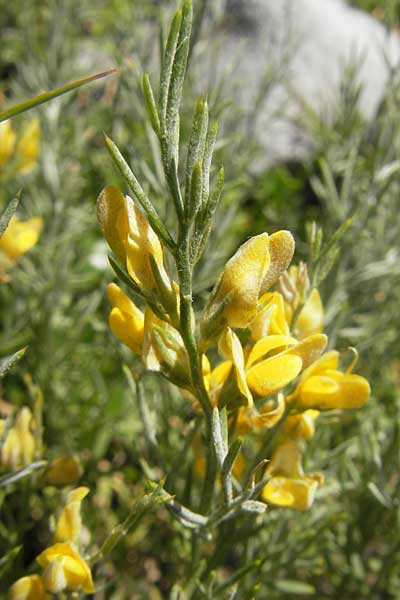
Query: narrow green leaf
[196, 142]
[9, 557]
[151, 105]
[9, 361]
[215, 196]
[207, 160]
[378, 495]
[46, 96]
[337, 236]
[194, 203]
[217, 436]
[140, 195]
[123, 276]
[8, 213]
[174, 187]
[166, 68]
[231, 457]
[325, 266]
[177, 77]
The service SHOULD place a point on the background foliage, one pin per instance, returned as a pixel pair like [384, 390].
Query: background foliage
[348, 544]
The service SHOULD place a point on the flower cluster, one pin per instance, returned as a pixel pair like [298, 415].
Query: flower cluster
[18, 155]
[266, 322]
[64, 569]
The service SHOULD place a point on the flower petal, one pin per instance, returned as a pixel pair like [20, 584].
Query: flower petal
[273, 374]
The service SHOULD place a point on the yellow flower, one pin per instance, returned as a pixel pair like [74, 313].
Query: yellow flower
[301, 426]
[7, 142]
[311, 317]
[19, 447]
[131, 238]
[23, 153]
[28, 588]
[28, 147]
[64, 470]
[271, 317]
[271, 364]
[322, 386]
[264, 418]
[288, 485]
[126, 320]
[19, 237]
[65, 569]
[246, 277]
[69, 524]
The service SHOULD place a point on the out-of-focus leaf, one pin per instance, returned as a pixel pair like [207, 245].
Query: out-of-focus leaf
[9, 361]
[46, 96]
[8, 213]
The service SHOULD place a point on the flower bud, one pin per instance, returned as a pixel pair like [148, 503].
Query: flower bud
[131, 238]
[247, 275]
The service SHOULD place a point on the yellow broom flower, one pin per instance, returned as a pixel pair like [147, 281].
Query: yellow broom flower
[323, 386]
[289, 486]
[246, 277]
[19, 237]
[63, 470]
[126, 320]
[69, 524]
[270, 365]
[131, 238]
[28, 588]
[65, 570]
[23, 152]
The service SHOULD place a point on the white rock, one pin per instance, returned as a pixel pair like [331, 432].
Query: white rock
[309, 42]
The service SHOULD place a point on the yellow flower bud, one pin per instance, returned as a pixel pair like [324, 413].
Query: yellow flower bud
[19, 237]
[126, 320]
[64, 470]
[28, 588]
[113, 219]
[65, 570]
[131, 238]
[19, 447]
[247, 275]
[69, 524]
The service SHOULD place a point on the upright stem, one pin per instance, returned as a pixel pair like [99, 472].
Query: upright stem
[185, 272]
